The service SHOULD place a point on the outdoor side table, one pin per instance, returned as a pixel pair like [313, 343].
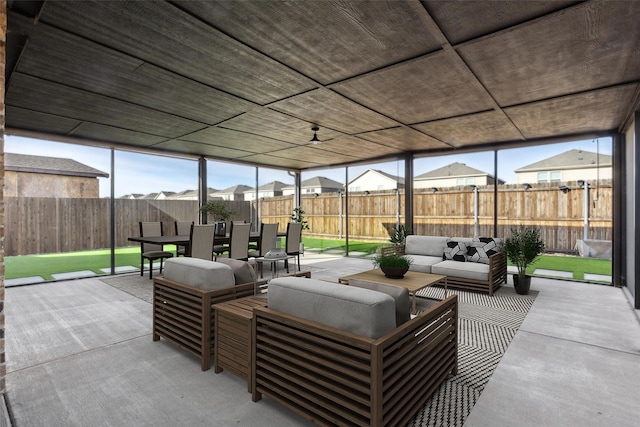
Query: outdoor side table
[273, 263]
[233, 336]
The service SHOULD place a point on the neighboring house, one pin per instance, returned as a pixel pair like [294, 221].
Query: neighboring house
[374, 180]
[236, 192]
[271, 189]
[453, 175]
[571, 165]
[132, 196]
[317, 184]
[40, 176]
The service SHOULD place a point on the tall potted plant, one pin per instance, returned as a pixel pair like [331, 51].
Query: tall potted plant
[523, 247]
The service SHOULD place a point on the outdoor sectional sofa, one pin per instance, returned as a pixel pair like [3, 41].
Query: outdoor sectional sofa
[336, 354]
[469, 263]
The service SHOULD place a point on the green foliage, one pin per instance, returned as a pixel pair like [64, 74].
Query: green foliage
[218, 210]
[400, 233]
[523, 247]
[298, 216]
[392, 261]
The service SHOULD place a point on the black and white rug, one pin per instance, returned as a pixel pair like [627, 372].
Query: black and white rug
[486, 326]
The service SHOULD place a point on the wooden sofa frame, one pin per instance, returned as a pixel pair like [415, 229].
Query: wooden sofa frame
[184, 314]
[497, 272]
[334, 377]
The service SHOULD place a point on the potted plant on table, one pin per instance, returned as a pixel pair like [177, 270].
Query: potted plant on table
[523, 247]
[393, 266]
[220, 213]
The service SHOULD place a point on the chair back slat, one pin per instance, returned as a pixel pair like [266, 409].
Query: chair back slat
[150, 229]
[268, 235]
[294, 236]
[239, 241]
[183, 228]
[202, 241]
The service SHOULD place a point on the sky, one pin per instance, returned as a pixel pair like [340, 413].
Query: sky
[144, 173]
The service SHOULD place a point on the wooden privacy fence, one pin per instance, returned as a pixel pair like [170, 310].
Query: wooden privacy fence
[46, 225]
[450, 212]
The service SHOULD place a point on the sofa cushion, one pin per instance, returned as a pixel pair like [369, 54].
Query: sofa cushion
[425, 245]
[423, 263]
[360, 311]
[242, 270]
[455, 250]
[200, 273]
[482, 248]
[399, 294]
[467, 270]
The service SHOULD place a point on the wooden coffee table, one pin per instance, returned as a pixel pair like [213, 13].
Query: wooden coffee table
[413, 281]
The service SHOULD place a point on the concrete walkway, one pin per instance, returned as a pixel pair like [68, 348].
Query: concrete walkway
[80, 353]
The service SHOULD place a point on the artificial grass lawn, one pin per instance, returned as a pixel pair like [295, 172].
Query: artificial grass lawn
[578, 265]
[46, 265]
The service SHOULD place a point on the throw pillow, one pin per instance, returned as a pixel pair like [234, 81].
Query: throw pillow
[482, 248]
[242, 270]
[455, 251]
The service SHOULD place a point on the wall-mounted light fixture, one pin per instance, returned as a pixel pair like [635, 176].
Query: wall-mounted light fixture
[526, 186]
[434, 189]
[315, 194]
[581, 182]
[564, 189]
[473, 187]
[366, 192]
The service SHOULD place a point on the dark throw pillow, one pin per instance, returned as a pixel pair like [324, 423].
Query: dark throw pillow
[455, 251]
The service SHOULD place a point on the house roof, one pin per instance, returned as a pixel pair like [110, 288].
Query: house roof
[234, 189]
[50, 165]
[318, 181]
[271, 186]
[245, 80]
[397, 179]
[456, 169]
[572, 159]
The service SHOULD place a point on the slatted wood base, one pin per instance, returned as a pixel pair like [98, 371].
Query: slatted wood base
[184, 315]
[337, 378]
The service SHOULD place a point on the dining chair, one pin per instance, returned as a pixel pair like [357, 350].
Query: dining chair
[268, 234]
[183, 228]
[238, 242]
[294, 237]
[150, 251]
[201, 239]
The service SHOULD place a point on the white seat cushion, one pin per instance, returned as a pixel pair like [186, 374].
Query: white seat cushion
[200, 273]
[423, 263]
[360, 311]
[465, 270]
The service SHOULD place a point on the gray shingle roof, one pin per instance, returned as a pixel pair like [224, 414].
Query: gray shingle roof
[572, 159]
[50, 165]
[452, 170]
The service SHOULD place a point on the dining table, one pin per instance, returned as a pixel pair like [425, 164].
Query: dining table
[183, 239]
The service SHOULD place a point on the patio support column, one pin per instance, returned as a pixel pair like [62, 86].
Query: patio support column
[202, 187]
[3, 47]
[408, 191]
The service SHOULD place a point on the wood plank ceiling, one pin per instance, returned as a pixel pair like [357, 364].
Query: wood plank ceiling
[246, 80]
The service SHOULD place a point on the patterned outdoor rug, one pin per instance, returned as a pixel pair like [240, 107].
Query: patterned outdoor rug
[486, 326]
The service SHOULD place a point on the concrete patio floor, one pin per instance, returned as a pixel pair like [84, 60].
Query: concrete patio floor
[80, 353]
